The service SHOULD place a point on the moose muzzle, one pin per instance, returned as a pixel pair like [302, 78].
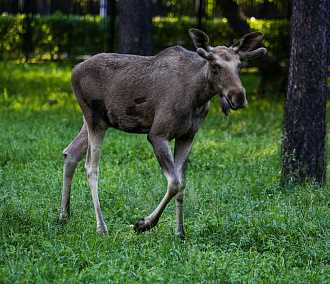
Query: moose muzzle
[237, 98]
[234, 99]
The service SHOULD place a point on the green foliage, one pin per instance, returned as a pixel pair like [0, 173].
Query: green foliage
[11, 29]
[53, 37]
[173, 30]
[241, 227]
[276, 37]
[58, 37]
[281, 4]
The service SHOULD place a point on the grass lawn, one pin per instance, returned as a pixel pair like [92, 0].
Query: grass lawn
[241, 226]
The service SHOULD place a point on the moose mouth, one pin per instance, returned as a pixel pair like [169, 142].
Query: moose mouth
[226, 105]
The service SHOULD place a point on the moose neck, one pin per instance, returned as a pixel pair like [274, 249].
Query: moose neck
[206, 88]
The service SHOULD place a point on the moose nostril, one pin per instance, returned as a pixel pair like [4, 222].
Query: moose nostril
[237, 97]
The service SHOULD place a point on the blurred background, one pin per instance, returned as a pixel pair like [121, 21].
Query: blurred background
[68, 31]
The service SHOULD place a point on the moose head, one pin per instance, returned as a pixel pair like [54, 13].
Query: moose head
[225, 64]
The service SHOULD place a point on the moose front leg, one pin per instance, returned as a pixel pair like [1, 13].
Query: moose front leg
[95, 139]
[164, 156]
[181, 153]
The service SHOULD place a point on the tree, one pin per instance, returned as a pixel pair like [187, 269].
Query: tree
[28, 8]
[103, 11]
[305, 108]
[231, 11]
[201, 9]
[43, 7]
[135, 23]
[112, 24]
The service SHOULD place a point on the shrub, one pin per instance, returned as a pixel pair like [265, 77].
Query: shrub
[59, 37]
[53, 37]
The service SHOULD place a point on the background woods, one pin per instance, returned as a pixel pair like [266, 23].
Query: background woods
[68, 30]
[245, 223]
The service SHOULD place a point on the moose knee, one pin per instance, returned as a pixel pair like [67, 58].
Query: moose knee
[70, 163]
[179, 196]
[174, 186]
[69, 158]
[91, 171]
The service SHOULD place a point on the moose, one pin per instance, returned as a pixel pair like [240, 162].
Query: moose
[165, 96]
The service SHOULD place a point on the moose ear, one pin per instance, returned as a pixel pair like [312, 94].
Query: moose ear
[249, 42]
[199, 38]
[205, 54]
[259, 52]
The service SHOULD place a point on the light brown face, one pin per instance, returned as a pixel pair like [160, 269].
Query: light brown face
[224, 68]
[225, 63]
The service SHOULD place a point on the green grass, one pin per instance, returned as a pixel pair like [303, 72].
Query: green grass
[241, 226]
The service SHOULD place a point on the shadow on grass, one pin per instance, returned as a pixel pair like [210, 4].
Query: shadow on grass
[16, 220]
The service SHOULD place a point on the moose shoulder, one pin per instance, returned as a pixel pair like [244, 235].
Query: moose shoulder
[165, 96]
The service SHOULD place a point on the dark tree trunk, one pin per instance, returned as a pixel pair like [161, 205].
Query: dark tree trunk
[231, 11]
[304, 156]
[135, 23]
[43, 7]
[200, 14]
[273, 76]
[112, 23]
[28, 8]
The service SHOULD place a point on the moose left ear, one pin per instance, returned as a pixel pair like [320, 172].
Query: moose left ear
[199, 38]
[249, 42]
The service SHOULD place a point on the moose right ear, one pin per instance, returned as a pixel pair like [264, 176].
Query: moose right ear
[199, 38]
[249, 42]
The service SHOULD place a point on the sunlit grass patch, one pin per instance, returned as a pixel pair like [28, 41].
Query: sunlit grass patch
[35, 87]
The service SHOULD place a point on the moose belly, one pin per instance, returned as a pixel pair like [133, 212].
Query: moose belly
[132, 119]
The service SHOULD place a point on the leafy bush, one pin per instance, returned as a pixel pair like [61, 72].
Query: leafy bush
[171, 31]
[60, 37]
[53, 37]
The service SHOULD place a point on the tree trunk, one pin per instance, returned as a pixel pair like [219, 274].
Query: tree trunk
[112, 23]
[135, 23]
[201, 9]
[27, 43]
[231, 11]
[103, 12]
[305, 108]
[43, 7]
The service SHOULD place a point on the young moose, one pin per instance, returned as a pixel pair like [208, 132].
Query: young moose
[165, 96]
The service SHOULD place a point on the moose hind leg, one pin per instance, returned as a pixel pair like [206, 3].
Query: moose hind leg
[72, 155]
[95, 139]
[164, 155]
[181, 154]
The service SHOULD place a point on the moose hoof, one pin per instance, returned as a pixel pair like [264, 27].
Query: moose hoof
[63, 218]
[180, 235]
[102, 230]
[142, 226]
